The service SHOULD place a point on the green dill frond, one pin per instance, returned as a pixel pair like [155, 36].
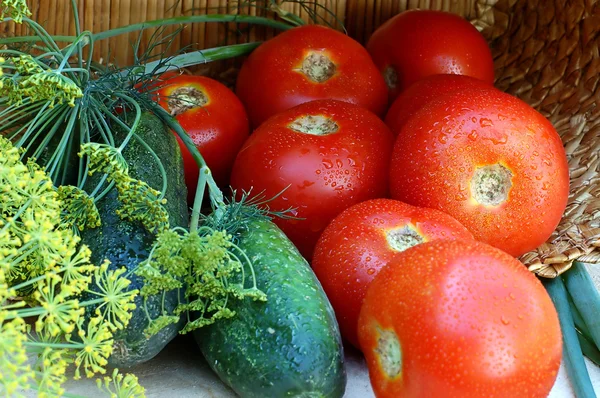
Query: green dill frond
[158, 324]
[236, 214]
[213, 271]
[15, 9]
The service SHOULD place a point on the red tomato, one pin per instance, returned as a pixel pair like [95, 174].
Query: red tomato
[459, 319]
[423, 91]
[363, 239]
[330, 153]
[213, 117]
[309, 63]
[489, 160]
[419, 43]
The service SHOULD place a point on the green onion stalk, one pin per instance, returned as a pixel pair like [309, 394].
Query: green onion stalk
[572, 349]
[58, 110]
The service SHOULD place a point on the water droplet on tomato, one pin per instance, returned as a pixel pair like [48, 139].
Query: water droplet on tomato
[504, 320]
[328, 164]
[484, 122]
[473, 135]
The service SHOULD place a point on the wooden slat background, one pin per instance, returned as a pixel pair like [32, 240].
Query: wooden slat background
[360, 18]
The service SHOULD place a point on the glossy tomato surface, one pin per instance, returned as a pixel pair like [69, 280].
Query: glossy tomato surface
[419, 43]
[459, 319]
[213, 117]
[329, 155]
[423, 91]
[309, 63]
[361, 240]
[489, 160]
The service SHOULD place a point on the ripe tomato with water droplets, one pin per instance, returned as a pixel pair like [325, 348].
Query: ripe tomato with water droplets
[489, 160]
[213, 117]
[459, 319]
[361, 240]
[309, 63]
[324, 155]
[419, 43]
[423, 91]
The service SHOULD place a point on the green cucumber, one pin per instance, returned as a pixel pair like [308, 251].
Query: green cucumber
[289, 346]
[126, 244]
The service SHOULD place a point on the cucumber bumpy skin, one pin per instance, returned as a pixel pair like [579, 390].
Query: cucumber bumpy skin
[289, 346]
[126, 244]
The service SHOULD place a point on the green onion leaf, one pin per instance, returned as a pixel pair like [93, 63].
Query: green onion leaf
[585, 297]
[572, 354]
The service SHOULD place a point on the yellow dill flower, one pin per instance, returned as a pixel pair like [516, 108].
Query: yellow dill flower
[79, 209]
[139, 201]
[43, 265]
[119, 386]
[51, 367]
[15, 9]
[97, 343]
[38, 84]
[15, 372]
[115, 300]
[61, 313]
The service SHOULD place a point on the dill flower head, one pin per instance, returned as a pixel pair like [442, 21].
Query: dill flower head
[44, 273]
[15, 9]
[35, 82]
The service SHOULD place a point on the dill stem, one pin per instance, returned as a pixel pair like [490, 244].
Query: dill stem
[198, 198]
[53, 345]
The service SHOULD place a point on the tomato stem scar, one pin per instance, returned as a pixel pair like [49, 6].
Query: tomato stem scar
[185, 98]
[491, 184]
[314, 125]
[388, 352]
[403, 238]
[318, 67]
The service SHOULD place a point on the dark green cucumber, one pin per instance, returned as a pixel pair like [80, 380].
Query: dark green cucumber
[289, 346]
[126, 244]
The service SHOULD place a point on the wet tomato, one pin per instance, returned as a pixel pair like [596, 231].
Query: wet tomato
[213, 117]
[489, 160]
[324, 155]
[363, 239]
[309, 63]
[423, 91]
[419, 43]
[459, 319]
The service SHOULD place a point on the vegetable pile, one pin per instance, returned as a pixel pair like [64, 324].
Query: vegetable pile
[377, 197]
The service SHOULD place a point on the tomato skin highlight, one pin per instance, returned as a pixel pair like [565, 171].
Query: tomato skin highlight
[217, 128]
[271, 80]
[423, 91]
[326, 174]
[420, 43]
[441, 148]
[354, 248]
[471, 321]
